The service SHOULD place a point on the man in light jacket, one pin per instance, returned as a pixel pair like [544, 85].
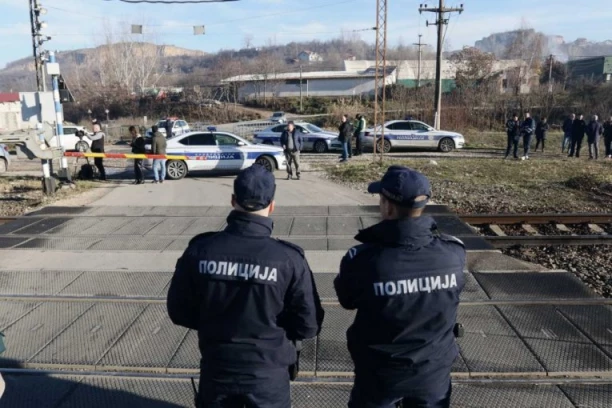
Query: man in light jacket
[158, 146]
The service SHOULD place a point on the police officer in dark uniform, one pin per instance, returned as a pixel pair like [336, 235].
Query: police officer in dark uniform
[513, 128]
[250, 297]
[404, 281]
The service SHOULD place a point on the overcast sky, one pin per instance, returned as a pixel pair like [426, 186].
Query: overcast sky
[81, 23]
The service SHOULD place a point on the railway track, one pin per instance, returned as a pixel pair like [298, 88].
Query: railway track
[507, 230]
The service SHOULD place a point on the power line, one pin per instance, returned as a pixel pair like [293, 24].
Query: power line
[174, 1]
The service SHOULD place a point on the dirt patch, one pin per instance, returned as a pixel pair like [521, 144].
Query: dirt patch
[19, 195]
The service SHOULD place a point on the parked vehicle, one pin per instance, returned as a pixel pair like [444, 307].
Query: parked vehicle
[278, 117]
[412, 133]
[71, 141]
[314, 138]
[179, 127]
[218, 151]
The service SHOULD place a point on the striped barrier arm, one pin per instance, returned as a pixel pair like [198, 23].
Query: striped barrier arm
[133, 156]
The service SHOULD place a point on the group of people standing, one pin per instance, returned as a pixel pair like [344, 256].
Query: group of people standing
[158, 146]
[574, 129]
[347, 131]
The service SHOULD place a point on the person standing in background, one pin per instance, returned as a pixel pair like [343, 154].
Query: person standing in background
[513, 132]
[541, 131]
[594, 131]
[527, 129]
[97, 146]
[360, 125]
[567, 133]
[607, 129]
[138, 147]
[345, 133]
[158, 146]
[169, 125]
[291, 142]
[578, 130]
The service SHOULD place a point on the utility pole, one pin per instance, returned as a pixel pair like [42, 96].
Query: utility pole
[380, 81]
[420, 45]
[550, 84]
[441, 21]
[301, 107]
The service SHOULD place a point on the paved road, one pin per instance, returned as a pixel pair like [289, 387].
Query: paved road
[83, 289]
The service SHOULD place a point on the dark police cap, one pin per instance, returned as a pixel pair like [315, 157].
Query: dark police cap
[254, 188]
[402, 185]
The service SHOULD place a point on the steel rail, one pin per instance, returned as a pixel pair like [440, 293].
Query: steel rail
[507, 219]
[540, 240]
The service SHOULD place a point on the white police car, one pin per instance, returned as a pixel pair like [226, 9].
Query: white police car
[217, 151]
[412, 133]
[313, 137]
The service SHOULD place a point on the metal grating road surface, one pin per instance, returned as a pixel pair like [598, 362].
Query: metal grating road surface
[533, 285]
[9, 242]
[508, 396]
[35, 282]
[120, 284]
[86, 341]
[149, 343]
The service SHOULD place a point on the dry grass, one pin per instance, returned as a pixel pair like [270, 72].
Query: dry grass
[491, 185]
[21, 194]
[497, 140]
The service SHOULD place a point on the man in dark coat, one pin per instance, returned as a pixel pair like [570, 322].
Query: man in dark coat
[291, 142]
[607, 127]
[567, 132]
[594, 131]
[578, 131]
[527, 130]
[138, 147]
[168, 126]
[345, 134]
[513, 128]
[404, 280]
[541, 131]
[250, 297]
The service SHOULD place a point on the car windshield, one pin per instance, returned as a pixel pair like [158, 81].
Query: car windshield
[277, 114]
[313, 128]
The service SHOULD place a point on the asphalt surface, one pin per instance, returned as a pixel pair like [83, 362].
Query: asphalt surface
[83, 291]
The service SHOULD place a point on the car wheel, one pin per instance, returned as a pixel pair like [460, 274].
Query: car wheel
[446, 145]
[3, 165]
[385, 146]
[267, 162]
[176, 169]
[320, 147]
[81, 146]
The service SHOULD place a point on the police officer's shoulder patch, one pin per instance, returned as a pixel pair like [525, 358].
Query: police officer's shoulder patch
[451, 238]
[201, 236]
[292, 246]
[352, 252]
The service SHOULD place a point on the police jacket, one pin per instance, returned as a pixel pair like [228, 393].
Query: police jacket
[247, 295]
[512, 128]
[578, 128]
[528, 126]
[297, 139]
[404, 282]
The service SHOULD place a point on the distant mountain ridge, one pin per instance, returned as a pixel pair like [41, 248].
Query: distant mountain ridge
[552, 44]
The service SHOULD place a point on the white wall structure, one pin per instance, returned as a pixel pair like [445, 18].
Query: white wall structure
[27, 109]
[322, 84]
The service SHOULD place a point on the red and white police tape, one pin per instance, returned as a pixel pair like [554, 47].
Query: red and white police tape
[134, 156]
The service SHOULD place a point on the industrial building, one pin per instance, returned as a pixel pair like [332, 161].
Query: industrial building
[598, 69]
[321, 84]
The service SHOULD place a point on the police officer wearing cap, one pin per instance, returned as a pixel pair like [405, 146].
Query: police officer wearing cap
[250, 297]
[404, 281]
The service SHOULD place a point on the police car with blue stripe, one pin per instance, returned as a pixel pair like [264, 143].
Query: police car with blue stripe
[218, 151]
[314, 138]
[412, 133]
